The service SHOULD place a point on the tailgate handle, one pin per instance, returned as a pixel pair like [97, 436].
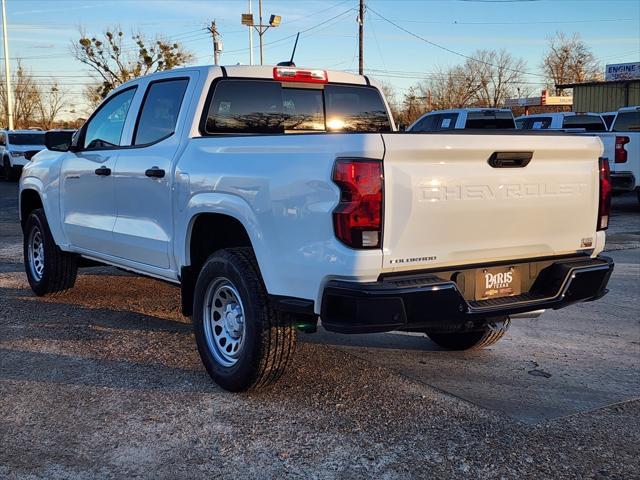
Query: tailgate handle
[510, 159]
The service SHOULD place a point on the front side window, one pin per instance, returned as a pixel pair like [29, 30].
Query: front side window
[159, 113]
[104, 130]
[427, 124]
[591, 123]
[627, 122]
[268, 107]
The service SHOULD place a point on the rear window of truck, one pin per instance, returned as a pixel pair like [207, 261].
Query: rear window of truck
[268, 107]
[490, 120]
[627, 122]
[591, 123]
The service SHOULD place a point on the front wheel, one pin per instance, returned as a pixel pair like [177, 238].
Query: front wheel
[475, 340]
[49, 269]
[243, 342]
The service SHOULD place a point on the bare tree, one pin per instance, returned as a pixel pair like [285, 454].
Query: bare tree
[34, 105]
[51, 102]
[389, 92]
[26, 98]
[569, 60]
[455, 87]
[498, 76]
[114, 62]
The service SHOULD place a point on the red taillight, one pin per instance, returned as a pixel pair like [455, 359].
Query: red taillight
[357, 220]
[292, 74]
[621, 153]
[604, 205]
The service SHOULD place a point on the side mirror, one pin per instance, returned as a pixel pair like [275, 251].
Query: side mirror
[58, 141]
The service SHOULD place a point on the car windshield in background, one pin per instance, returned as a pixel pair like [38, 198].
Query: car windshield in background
[26, 138]
[627, 122]
[608, 119]
[490, 120]
[591, 123]
[261, 106]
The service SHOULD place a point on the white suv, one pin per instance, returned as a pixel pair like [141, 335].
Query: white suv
[17, 147]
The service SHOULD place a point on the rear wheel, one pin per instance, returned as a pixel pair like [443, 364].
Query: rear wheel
[475, 340]
[49, 269]
[243, 342]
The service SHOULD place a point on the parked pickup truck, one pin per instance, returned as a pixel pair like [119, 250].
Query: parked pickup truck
[464, 118]
[577, 121]
[274, 196]
[622, 148]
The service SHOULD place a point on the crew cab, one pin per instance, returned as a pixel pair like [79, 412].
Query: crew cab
[464, 118]
[577, 121]
[277, 196]
[622, 148]
[16, 149]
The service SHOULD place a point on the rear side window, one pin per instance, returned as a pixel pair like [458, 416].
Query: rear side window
[427, 124]
[627, 122]
[160, 110]
[263, 106]
[490, 120]
[535, 123]
[591, 123]
[447, 121]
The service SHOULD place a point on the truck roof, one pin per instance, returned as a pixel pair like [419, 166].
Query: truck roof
[256, 71]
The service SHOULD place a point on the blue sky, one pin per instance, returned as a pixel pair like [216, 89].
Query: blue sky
[40, 32]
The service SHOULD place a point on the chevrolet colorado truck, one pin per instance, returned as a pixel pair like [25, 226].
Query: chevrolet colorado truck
[277, 196]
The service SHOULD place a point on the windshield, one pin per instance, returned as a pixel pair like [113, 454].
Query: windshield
[591, 123]
[26, 138]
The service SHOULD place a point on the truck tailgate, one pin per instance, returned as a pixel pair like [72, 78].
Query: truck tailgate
[446, 205]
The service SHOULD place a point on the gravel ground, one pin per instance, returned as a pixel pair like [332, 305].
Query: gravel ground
[104, 382]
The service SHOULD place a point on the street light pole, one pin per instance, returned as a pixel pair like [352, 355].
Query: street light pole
[250, 39]
[7, 71]
[361, 39]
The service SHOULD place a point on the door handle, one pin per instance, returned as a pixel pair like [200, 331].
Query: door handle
[510, 159]
[104, 171]
[154, 172]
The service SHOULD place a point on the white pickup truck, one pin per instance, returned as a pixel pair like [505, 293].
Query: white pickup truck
[622, 148]
[274, 196]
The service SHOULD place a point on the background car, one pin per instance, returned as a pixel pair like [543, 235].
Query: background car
[589, 122]
[16, 149]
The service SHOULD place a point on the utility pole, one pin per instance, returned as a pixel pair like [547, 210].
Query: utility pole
[250, 38]
[361, 39]
[260, 23]
[217, 43]
[7, 70]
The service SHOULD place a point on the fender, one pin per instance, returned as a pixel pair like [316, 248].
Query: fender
[50, 204]
[225, 204]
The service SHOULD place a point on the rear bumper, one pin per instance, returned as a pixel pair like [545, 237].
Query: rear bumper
[623, 181]
[429, 302]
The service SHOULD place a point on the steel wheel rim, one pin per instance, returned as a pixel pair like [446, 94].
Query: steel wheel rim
[224, 322]
[36, 253]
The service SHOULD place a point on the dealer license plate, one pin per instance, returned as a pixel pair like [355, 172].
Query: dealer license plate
[497, 282]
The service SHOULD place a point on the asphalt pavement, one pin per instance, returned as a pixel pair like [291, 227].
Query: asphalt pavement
[104, 382]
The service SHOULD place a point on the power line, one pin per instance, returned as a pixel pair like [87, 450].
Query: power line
[442, 47]
[533, 22]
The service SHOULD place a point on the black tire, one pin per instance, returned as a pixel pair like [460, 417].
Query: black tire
[474, 340]
[59, 269]
[268, 339]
